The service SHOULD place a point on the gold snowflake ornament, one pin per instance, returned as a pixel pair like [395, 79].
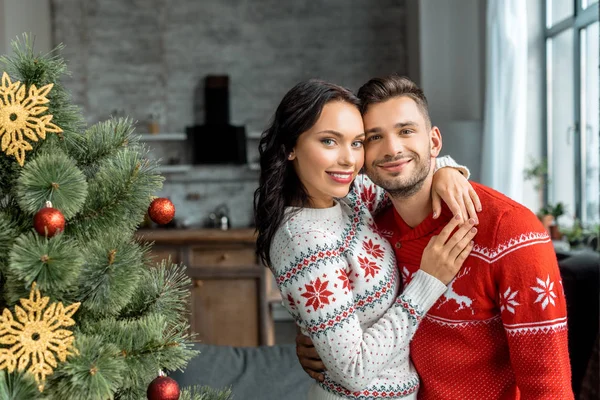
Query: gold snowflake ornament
[36, 335]
[20, 117]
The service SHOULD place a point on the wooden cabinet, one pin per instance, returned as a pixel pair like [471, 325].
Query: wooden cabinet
[229, 300]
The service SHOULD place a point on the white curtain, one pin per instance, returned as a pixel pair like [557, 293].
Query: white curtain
[503, 156]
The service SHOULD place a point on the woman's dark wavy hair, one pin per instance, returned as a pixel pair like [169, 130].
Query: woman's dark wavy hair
[279, 185]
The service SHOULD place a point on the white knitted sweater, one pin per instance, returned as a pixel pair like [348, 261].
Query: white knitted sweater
[338, 278]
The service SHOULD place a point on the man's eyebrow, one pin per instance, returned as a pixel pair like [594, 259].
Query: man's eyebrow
[373, 130]
[396, 126]
[404, 124]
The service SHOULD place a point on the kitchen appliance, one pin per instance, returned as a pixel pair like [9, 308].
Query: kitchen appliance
[217, 141]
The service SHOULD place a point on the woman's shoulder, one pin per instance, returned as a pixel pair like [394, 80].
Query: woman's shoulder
[310, 225]
[296, 238]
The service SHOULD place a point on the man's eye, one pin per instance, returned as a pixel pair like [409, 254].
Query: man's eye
[373, 137]
[406, 131]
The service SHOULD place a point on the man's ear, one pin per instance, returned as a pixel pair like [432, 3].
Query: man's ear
[435, 137]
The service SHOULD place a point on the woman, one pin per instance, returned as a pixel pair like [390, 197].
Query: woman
[337, 276]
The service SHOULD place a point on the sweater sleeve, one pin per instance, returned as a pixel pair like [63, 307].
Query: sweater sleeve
[533, 309]
[316, 291]
[447, 161]
[375, 198]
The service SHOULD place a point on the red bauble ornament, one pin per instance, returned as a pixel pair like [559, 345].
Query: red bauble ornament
[49, 221]
[161, 211]
[163, 388]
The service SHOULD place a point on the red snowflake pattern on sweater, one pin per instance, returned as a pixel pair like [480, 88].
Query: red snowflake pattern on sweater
[370, 267]
[317, 294]
[373, 250]
[344, 278]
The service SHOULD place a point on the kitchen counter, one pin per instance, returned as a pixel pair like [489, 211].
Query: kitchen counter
[229, 295]
[188, 236]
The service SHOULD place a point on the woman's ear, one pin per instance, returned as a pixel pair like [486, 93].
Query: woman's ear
[291, 156]
[435, 137]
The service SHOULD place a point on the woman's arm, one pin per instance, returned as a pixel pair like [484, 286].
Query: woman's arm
[450, 184]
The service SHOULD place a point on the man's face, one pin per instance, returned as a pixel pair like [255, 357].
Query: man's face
[399, 146]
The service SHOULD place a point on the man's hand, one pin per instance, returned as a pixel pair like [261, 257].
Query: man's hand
[309, 358]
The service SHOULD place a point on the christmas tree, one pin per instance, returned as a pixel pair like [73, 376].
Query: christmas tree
[85, 313]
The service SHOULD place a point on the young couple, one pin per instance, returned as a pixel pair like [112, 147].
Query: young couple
[380, 290]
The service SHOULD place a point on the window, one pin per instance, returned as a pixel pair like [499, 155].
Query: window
[572, 107]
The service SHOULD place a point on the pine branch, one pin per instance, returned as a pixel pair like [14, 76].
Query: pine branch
[110, 275]
[96, 373]
[101, 142]
[42, 69]
[54, 263]
[52, 176]
[205, 393]
[9, 210]
[18, 386]
[118, 195]
[163, 289]
[146, 344]
[8, 233]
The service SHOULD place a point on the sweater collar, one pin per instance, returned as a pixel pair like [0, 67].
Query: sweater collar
[426, 227]
[318, 214]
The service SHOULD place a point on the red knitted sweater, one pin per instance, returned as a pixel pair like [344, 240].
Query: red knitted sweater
[500, 330]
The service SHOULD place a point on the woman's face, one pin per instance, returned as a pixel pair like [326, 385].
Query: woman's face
[328, 156]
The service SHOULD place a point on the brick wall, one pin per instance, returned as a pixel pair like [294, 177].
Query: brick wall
[145, 56]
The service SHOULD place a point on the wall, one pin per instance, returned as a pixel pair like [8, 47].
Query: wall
[152, 55]
[452, 58]
[143, 55]
[25, 16]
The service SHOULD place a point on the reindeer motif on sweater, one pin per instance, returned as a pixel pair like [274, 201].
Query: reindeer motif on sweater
[463, 302]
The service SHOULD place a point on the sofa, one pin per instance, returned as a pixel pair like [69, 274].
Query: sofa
[253, 373]
[580, 273]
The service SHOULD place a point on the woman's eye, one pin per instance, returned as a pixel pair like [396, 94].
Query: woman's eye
[358, 143]
[328, 142]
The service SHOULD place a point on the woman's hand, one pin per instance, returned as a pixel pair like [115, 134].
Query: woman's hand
[456, 191]
[446, 253]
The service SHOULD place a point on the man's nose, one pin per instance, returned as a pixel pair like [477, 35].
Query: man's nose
[392, 146]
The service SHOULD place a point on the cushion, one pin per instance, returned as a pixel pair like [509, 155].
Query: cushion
[265, 372]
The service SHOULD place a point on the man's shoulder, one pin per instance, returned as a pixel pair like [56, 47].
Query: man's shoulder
[497, 207]
[505, 221]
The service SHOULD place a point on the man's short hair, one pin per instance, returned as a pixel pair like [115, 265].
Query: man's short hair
[378, 90]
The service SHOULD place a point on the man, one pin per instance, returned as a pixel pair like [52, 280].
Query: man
[500, 331]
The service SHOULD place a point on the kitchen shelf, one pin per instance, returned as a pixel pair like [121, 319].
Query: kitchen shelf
[253, 135]
[156, 137]
[209, 174]
[174, 169]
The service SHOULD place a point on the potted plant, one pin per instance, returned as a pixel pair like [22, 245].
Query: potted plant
[549, 215]
[538, 173]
